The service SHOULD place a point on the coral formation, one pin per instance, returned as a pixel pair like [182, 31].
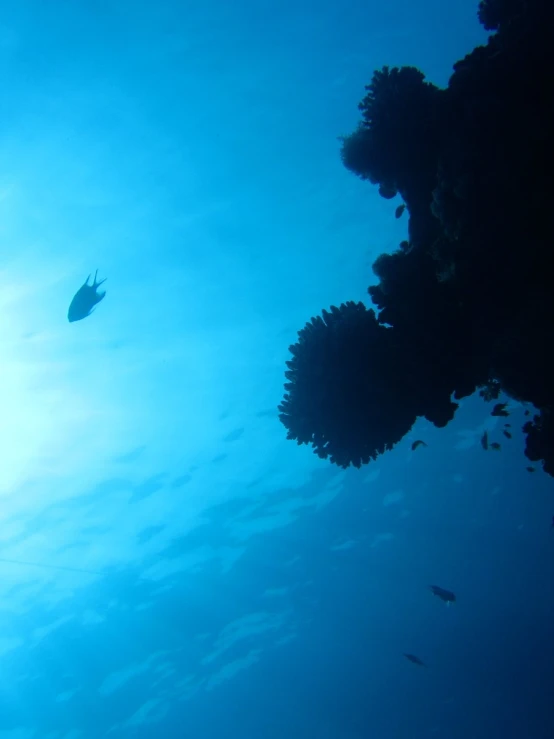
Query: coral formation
[468, 301]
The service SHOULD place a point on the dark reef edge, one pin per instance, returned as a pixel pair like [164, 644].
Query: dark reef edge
[467, 302]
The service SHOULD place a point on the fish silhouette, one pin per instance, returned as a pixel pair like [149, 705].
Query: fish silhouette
[85, 300]
[417, 443]
[446, 595]
[415, 659]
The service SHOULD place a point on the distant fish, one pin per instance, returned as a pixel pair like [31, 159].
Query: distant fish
[507, 434]
[508, 425]
[485, 441]
[530, 469]
[398, 212]
[500, 410]
[446, 595]
[85, 300]
[413, 658]
[417, 443]
[495, 445]
[526, 413]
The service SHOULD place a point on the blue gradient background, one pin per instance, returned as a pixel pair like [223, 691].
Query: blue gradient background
[169, 564]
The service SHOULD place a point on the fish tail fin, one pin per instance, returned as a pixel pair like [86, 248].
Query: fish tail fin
[96, 283]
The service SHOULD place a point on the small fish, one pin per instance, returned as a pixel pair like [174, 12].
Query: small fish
[526, 413]
[508, 425]
[530, 469]
[485, 441]
[446, 595]
[85, 300]
[507, 434]
[495, 445]
[398, 212]
[417, 443]
[413, 658]
[500, 410]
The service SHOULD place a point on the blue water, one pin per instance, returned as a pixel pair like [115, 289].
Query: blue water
[169, 564]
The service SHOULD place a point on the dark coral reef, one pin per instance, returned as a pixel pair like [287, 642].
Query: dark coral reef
[468, 301]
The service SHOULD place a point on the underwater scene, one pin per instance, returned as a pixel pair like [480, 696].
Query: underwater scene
[277, 369]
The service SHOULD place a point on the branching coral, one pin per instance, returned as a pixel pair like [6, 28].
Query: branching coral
[346, 393]
[397, 140]
[496, 13]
